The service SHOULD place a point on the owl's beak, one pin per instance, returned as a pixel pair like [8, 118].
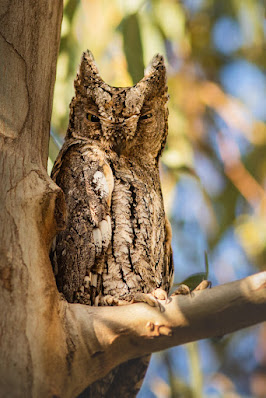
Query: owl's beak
[121, 133]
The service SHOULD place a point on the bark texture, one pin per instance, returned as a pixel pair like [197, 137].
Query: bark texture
[29, 43]
[48, 347]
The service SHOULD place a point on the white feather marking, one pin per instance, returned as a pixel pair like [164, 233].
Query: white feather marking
[86, 281]
[108, 219]
[101, 185]
[105, 231]
[97, 237]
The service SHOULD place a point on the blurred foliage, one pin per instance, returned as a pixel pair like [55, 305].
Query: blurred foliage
[134, 54]
[214, 166]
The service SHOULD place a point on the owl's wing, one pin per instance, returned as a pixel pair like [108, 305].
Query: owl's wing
[78, 254]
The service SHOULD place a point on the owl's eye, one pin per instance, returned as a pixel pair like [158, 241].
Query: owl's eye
[92, 118]
[147, 116]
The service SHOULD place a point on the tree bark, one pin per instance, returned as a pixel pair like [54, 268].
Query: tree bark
[29, 43]
[50, 348]
[104, 337]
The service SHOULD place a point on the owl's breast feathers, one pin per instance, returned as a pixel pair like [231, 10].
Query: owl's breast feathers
[117, 241]
[139, 258]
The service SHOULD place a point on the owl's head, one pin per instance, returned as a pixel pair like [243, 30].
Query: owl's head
[128, 120]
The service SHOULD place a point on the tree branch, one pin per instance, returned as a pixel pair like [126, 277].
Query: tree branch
[105, 337]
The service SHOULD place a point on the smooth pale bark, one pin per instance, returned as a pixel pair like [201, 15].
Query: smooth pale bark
[33, 342]
[49, 348]
[113, 335]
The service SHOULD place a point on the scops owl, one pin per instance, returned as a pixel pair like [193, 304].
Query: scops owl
[116, 247]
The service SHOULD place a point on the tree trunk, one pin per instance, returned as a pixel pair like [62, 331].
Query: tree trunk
[50, 348]
[29, 43]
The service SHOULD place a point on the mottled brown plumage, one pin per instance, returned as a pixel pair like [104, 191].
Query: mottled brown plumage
[116, 247]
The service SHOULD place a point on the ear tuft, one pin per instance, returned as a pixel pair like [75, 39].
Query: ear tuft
[156, 63]
[154, 81]
[88, 73]
[88, 62]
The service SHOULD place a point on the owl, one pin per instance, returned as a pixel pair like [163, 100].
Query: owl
[116, 247]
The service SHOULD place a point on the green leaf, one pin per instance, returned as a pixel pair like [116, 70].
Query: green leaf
[132, 45]
[193, 280]
[70, 9]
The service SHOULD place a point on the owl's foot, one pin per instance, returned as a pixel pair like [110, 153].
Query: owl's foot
[159, 294]
[203, 285]
[149, 298]
[152, 298]
[184, 289]
[112, 300]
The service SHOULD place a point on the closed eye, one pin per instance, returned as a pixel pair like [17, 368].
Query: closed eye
[92, 118]
[147, 116]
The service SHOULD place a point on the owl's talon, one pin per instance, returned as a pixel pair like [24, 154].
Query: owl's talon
[108, 300]
[114, 301]
[159, 294]
[148, 298]
[203, 285]
[182, 289]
